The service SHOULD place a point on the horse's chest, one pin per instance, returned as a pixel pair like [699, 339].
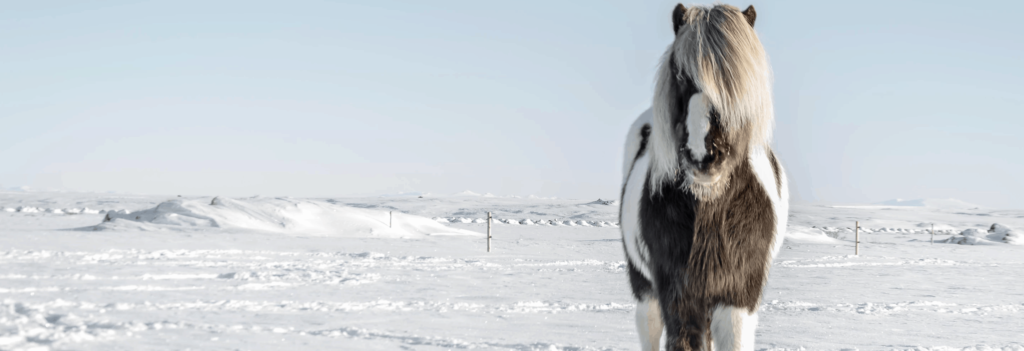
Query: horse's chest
[667, 223]
[655, 229]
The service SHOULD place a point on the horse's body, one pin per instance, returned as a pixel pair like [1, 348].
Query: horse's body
[704, 200]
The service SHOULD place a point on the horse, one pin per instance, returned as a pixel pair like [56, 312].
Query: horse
[704, 199]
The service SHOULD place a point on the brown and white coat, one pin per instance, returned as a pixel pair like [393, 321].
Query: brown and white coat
[704, 199]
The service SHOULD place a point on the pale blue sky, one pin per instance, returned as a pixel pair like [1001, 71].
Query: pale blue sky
[874, 100]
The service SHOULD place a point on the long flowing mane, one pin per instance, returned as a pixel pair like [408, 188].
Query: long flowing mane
[722, 55]
[704, 200]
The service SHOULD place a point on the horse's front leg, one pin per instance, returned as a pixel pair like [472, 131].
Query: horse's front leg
[732, 328]
[684, 318]
[648, 323]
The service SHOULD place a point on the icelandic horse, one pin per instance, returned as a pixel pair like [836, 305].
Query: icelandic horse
[704, 200]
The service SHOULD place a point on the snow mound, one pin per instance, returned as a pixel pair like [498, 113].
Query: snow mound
[277, 215]
[528, 221]
[604, 202]
[28, 209]
[56, 211]
[807, 235]
[971, 236]
[931, 203]
[997, 233]
[1001, 233]
[466, 193]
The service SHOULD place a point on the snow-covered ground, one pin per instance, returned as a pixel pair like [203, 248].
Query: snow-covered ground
[123, 272]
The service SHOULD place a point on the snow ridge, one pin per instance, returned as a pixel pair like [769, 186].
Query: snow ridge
[528, 221]
[276, 215]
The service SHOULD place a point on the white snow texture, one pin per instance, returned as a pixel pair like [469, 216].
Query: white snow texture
[287, 216]
[176, 273]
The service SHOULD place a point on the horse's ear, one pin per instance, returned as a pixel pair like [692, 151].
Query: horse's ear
[678, 16]
[750, 14]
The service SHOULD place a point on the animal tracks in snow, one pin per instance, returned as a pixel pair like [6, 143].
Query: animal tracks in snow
[869, 308]
[111, 295]
[443, 342]
[61, 322]
[534, 307]
[299, 265]
[866, 261]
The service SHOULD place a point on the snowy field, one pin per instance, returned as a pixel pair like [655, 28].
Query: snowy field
[120, 272]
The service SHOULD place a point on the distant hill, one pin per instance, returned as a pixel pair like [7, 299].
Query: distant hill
[930, 203]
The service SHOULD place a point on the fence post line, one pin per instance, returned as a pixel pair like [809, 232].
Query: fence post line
[856, 231]
[488, 231]
[390, 217]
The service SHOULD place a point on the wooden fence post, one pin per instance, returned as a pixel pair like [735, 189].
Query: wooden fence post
[856, 230]
[488, 232]
[390, 217]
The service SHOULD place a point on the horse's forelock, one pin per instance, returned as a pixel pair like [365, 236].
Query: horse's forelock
[723, 56]
[720, 53]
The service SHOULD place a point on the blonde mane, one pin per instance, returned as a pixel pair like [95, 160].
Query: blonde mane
[723, 56]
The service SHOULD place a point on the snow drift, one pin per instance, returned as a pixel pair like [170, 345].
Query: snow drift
[604, 202]
[278, 215]
[997, 233]
[1001, 233]
[807, 235]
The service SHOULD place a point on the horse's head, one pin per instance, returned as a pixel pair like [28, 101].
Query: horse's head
[712, 103]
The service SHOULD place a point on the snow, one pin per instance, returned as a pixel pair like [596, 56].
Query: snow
[1002, 233]
[807, 235]
[996, 234]
[282, 273]
[946, 204]
[604, 202]
[28, 209]
[933, 203]
[278, 215]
